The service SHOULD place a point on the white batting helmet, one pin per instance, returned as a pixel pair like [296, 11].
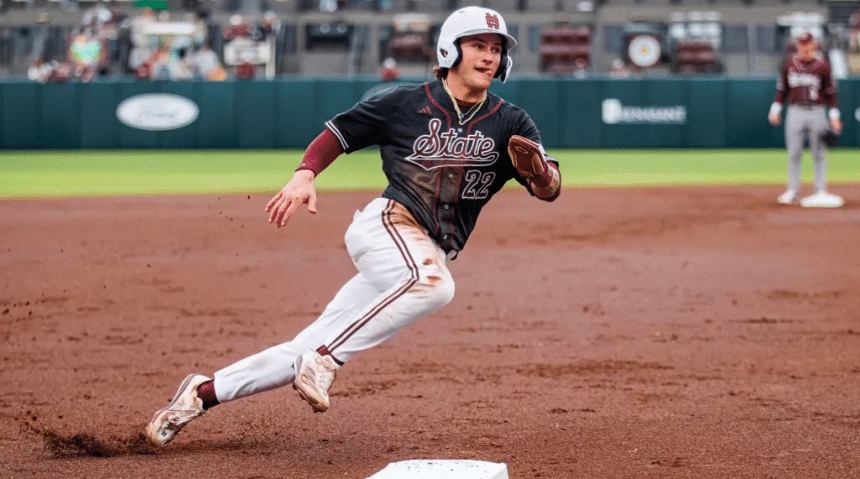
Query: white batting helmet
[473, 21]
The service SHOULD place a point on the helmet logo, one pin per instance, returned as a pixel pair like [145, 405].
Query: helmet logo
[492, 21]
[444, 53]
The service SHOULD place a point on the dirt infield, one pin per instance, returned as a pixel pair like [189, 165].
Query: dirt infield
[617, 333]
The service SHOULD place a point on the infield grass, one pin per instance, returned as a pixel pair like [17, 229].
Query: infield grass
[30, 174]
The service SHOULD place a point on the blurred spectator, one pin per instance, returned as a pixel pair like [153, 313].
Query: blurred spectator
[246, 71]
[96, 16]
[268, 27]
[159, 63]
[201, 28]
[108, 35]
[139, 27]
[389, 70]
[85, 53]
[118, 14]
[854, 23]
[138, 57]
[207, 64]
[181, 65]
[40, 71]
[154, 66]
[61, 72]
[169, 64]
[143, 71]
[238, 28]
[620, 69]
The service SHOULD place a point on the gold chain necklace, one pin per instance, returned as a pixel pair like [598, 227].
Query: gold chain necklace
[463, 119]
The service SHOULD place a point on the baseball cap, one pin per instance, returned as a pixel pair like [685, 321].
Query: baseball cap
[805, 37]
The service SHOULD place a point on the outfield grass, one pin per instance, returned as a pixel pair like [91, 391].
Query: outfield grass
[26, 174]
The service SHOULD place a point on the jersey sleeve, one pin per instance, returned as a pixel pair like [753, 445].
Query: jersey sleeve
[365, 123]
[828, 87]
[781, 85]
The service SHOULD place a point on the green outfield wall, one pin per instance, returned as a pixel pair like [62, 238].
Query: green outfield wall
[288, 113]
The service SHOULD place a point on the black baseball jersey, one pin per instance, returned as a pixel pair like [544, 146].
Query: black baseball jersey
[441, 171]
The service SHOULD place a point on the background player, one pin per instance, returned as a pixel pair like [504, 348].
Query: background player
[447, 147]
[808, 86]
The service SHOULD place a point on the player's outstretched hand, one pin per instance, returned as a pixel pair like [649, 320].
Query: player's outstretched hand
[298, 191]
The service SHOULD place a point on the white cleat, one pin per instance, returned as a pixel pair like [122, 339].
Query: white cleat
[790, 197]
[314, 377]
[822, 199]
[184, 407]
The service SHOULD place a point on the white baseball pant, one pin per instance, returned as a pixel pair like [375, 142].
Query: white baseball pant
[402, 276]
[806, 123]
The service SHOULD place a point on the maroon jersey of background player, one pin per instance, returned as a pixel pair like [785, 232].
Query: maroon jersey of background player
[806, 82]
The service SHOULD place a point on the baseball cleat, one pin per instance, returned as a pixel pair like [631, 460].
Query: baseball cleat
[314, 377]
[788, 198]
[184, 407]
[822, 199]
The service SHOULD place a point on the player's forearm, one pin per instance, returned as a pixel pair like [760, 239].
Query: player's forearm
[548, 186]
[321, 153]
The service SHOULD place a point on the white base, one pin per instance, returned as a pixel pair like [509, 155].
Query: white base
[442, 469]
[822, 200]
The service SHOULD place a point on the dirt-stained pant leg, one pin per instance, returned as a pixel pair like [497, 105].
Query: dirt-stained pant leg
[396, 255]
[273, 367]
[402, 277]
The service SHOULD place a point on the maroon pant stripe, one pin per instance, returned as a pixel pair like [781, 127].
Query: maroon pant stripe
[410, 263]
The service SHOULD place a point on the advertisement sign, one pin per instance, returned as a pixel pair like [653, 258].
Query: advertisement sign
[613, 113]
[157, 112]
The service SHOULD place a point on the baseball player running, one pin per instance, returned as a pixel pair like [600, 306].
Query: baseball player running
[809, 87]
[447, 147]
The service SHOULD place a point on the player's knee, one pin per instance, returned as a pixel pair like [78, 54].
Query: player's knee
[445, 290]
[440, 288]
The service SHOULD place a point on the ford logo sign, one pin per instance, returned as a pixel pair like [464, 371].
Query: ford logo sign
[157, 111]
